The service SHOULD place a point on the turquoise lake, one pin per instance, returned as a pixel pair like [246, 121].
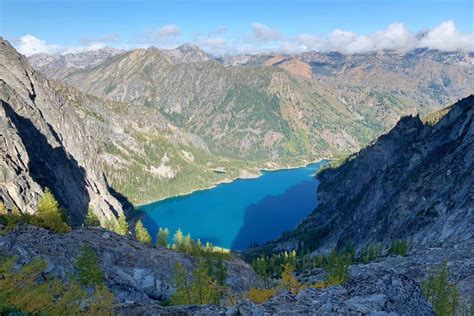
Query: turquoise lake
[237, 214]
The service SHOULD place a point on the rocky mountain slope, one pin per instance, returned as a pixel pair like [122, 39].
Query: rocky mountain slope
[58, 66]
[426, 77]
[134, 272]
[141, 277]
[260, 106]
[258, 113]
[383, 293]
[44, 144]
[256, 108]
[143, 155]
[416, 183]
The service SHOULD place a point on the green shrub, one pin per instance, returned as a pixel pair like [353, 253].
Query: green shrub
[370, 253]
[443, 295]
[91, 219]
[398, 247]
[317, 261]
[21, 293]
[336, 268]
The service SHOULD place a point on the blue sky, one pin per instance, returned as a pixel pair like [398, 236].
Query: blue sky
[230, 26]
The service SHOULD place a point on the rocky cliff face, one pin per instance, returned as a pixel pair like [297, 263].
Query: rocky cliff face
[415, 183]
[44, 144]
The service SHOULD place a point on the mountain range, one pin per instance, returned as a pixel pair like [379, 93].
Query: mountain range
[248, 112]
[117, 120]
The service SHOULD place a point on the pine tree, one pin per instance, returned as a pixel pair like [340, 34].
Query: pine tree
[49, 214]
[141, 234]
[178, 239]
[188, 244]
[336, 268]
[182, 295]
[204, 289]
[443, 295]
[91, 219]
[162, 237]
[87, 264]
[220, 273]
[122, 225]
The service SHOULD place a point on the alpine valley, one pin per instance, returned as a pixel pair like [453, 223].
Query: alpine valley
[88, 138]
[166, 120]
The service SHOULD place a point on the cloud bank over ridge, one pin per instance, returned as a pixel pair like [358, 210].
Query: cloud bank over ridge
[263, 38]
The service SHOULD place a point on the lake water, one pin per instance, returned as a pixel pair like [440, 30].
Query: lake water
[237, 214]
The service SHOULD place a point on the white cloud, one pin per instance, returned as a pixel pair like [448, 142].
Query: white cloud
[261, 32]
[166, 36]
[262, 38]
[106, 38]
[445, 37]
[396, 36]
[29, 45]
[168, 31]
[310, 41]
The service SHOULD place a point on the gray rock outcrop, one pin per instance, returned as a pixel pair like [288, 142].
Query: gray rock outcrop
[43, 143]
[382, 293]
[135, 272]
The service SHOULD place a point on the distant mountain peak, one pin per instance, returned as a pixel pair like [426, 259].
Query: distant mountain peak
[187, 53]
[189, 47]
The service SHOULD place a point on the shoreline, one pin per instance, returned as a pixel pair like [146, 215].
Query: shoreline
[226, 181]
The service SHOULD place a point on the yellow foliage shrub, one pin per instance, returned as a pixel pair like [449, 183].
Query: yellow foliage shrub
[320, 285]
[261, 295]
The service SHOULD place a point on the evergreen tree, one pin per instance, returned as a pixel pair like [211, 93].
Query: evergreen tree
[398, 247]
[122, 225]
[178, 240]
[220, 273]
[162, 237]
[336, 268]
[288, 280]
[49, 214]
[443, 295]
[87, 265]
[91, 219]
[188, 244]
[141, 234]
[182, 295]
[204, 289]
